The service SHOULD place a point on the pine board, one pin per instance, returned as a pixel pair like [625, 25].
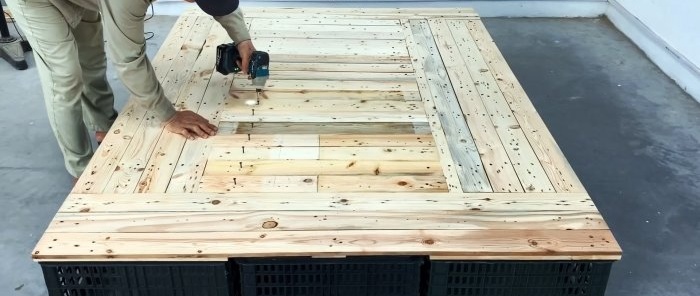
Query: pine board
[380, 132]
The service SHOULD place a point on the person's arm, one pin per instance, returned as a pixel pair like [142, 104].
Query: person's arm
[123, 22]
[229, 15]
[235, 26]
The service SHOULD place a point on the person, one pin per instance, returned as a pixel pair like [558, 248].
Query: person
[69, 49]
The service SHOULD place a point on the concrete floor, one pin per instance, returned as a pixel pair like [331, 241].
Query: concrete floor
[630, 133]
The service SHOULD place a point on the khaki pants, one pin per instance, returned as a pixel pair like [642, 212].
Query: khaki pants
[72, 67]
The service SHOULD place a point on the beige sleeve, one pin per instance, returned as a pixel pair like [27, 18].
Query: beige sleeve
[235, 26]
[123, 29]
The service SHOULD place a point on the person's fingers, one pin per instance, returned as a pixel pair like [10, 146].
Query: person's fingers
[207, 128]
[214, 127]
[186, 133]
[198, 131]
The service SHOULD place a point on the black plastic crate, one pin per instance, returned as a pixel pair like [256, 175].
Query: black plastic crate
[356, 276]
[137, 279]
[518, 278]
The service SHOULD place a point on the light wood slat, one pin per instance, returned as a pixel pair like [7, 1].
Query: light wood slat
[380, 153]
[348, 47]
[334, 85]
[308, 56]
[328, 31]
[259, 153]
[532, 175]
[264, 25]
[125, 129]
[322, 66]
[499, 169]
[331, 140]
[532, 244]
[389, 16]
[274, 22]
[346, 117]
[337, 75]
[244, 103]
[321, 167]
[359, 140]
[245, 183]
[437, 92]
[435, 183]
[189, 165]
[245, 97]
[548, 152]
[323, 128]
[174, 222]
[281, 140]
[437, 131]
[356, 202]
[399, 13]
[305, 34]
[156, 162]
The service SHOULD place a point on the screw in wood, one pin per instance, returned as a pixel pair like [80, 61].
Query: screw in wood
[241, 164]
[234, 181]
[253, 110]
[243, 148]
[248, 137]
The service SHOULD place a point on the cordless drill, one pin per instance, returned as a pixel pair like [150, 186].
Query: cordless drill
[227, 56]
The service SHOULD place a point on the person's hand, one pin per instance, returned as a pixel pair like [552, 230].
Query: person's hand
[245, 49]
[190, 125]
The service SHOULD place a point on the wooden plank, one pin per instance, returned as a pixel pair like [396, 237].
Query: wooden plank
[310, 56]
[175, 222]
[321, 167]
[379, 153]
[302, 106]
[343, 76]
[347, 47]
[499, 169]
[355, 202]
[184, 176]
[255, 140]
[276, 23]
[323, 128]
[492, 243]
[532, 175]
[245, 97]
[245, 183]
[439, 96]
[409, 183]
[328, 32]
[256, 153]
[107, 157]
[359, 140]
[422, 12]
[333, 85]
[322, 66]
[324, 116]
[548, 152]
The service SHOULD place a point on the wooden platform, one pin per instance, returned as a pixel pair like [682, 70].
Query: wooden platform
[381, 132]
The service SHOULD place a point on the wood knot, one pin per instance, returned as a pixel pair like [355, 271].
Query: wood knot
[475, 209]
[199, 251]
[344, 201]
[263, 235]
[533, 243]
[428, 242]
[109, 251]
[84, 210]
[215, 202]
[308, 180]
[402, 183]
[270, 224]
[117, 131]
